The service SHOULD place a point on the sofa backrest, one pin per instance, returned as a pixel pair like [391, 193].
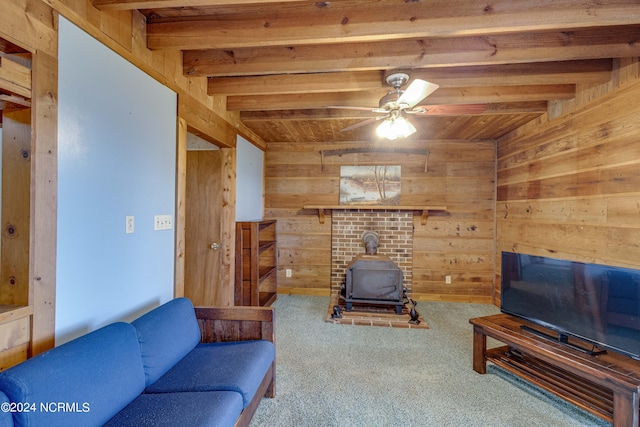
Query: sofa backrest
[166, 335]
[84, 382]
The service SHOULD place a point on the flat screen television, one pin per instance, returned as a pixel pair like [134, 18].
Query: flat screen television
[597, 304]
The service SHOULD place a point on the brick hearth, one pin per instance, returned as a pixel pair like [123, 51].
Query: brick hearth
[395, 229]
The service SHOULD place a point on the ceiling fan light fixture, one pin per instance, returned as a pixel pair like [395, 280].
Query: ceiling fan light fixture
[395, 104]
[395, 127]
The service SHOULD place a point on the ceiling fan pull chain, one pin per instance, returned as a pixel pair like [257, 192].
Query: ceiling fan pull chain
[426, 162]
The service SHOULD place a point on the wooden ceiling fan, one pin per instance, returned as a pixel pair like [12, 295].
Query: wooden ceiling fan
[398, 102]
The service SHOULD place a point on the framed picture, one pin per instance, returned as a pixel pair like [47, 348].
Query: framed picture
[370, 185]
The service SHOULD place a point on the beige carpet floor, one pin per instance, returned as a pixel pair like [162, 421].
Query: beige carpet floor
[342, 375]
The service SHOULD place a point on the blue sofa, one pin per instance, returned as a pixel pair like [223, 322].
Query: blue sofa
[176, 365]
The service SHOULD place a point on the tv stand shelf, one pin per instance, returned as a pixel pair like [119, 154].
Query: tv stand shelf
[607, 385]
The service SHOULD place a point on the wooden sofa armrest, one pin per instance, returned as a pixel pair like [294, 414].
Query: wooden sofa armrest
[222, 324]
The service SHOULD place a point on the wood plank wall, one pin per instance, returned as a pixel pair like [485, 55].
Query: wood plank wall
[458, 242]
[28, 330]
[570, 187]
[16, 204]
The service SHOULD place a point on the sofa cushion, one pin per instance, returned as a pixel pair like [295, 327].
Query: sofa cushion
[216, 408]
[234, 366]
[92, 377]
[6, 419]
[166, 335]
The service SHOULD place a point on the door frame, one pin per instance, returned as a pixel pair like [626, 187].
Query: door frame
[190, 122]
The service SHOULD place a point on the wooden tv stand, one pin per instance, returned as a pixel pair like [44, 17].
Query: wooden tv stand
[606, 385]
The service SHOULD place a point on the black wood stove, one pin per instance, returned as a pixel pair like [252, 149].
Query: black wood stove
[374, 279]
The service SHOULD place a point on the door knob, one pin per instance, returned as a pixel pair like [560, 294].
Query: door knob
[215, 246]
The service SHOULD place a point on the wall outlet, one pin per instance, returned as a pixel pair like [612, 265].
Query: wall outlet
[447, 280]
[129, 222]
[287, 272]
[162, 222]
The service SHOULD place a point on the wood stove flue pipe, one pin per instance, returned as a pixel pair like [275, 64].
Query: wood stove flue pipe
[371, 240]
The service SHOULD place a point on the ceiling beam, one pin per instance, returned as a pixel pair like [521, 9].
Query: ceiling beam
[506, 108]
[206, 124]
[621, 42]
[368, 21]
[465, 95]
[154, 4]
[565, 72]
[296, 83]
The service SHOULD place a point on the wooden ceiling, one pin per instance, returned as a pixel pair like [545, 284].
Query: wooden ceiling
[280, 64]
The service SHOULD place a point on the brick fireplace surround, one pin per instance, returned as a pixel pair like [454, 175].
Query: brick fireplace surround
[395, 229]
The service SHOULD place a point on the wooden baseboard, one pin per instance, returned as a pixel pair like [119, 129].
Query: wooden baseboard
[471, 299]
[304, 291]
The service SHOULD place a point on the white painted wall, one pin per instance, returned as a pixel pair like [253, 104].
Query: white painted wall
[249, 181]
[117, 156]
[195, 143]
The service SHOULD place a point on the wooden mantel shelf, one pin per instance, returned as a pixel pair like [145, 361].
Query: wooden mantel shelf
[423, 209]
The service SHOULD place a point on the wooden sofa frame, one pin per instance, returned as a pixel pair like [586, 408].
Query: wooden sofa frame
[224, 324]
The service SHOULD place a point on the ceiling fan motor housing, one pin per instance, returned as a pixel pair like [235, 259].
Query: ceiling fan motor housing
[390, 100]
[397, 80]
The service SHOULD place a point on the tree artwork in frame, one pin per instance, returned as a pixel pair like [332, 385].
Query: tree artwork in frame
[370, 185]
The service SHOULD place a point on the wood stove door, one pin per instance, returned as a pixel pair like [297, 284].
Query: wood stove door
[375, 284]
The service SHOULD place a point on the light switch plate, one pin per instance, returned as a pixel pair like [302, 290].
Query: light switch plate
[129, 224]
[162, 222]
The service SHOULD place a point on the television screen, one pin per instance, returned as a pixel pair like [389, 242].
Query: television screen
[596, 303]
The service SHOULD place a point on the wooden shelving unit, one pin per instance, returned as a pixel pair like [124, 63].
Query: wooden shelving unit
[17, 323]
[256, 263]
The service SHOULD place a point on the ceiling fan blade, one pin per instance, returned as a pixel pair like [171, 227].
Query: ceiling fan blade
[443, 110]
[416, 92]
[373, 110]
[362, 123]
[369, 110]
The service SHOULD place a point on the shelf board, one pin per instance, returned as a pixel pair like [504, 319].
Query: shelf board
[267, 298]
[266, 272]
[423, 209]
[265, 223]
[11, 312]
[264, 245]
